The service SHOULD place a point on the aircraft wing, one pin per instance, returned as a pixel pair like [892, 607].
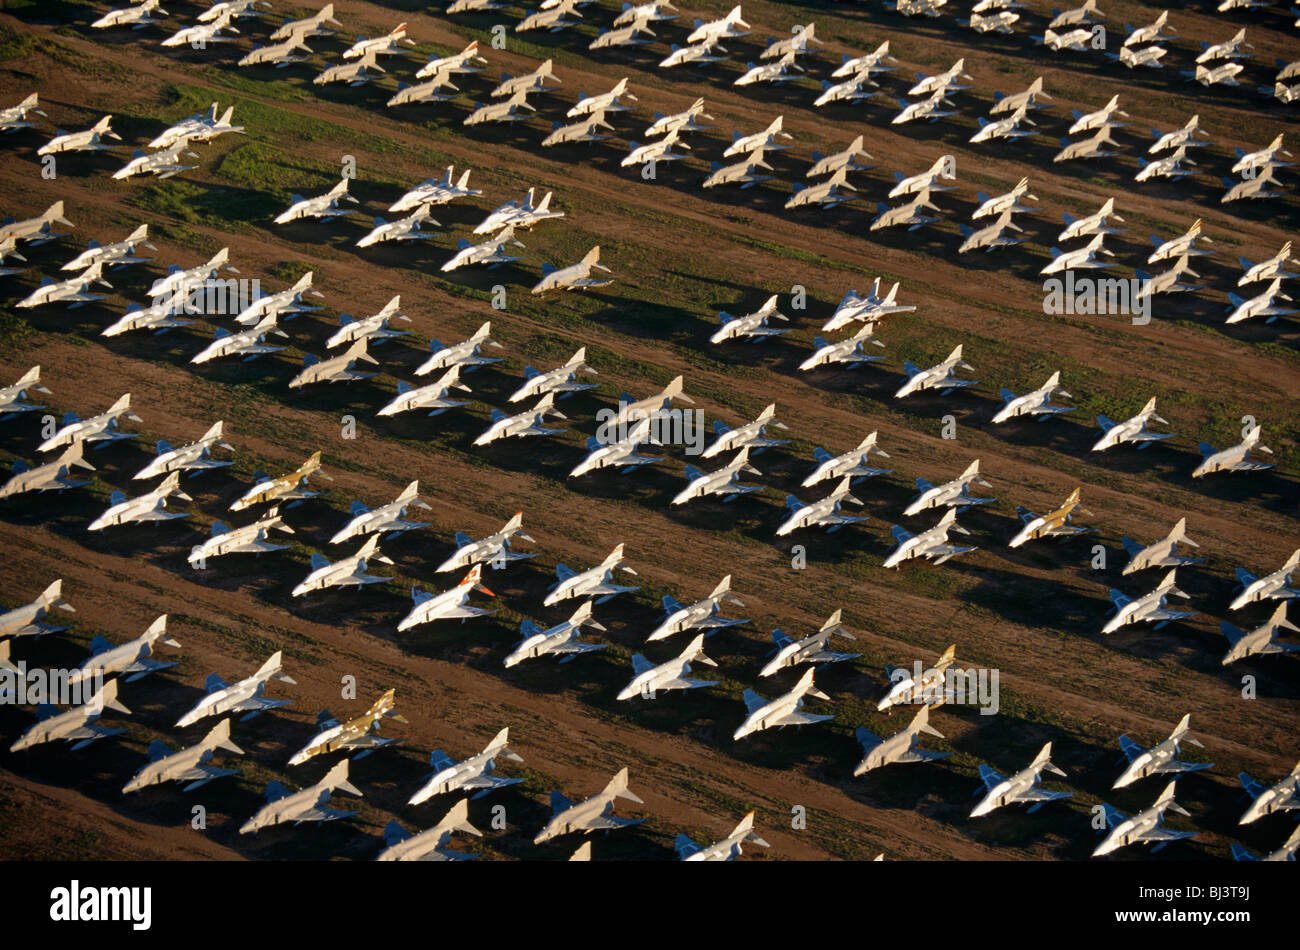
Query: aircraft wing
[1131, 749]
[322, 813]
[1253, 788]
[801, 719]
[753, 701]
[990, 777]
[640, 664]
[447, 612]
[489, 782]
[921, 755]
[559, 803]
[685, 847]
[685, 682]
[201, 775]
[1036, 794]
[88, 733]
[1157, 833]
[599, 822]
[1113, 815]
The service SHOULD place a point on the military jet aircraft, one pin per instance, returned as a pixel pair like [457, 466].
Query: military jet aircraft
[931, 108]
[582, 131]
[743, 173]
[73, 291]
[1285, 853]
[853, 307]
[374, 328]
[355, 73]
[606, 102]
[246, 696]
[1260, 641]
[1000, 204]
[336, 369]
[201, 34]
[654, 11]
[1182, 246]
[529, 423]
[387, 519]
[238, 9]
[680, 121]
[1234, 459]
[751, 435]
[196, 128]
[1083, 258]
[403, 229]
[560, 380]
[1159, 759]
[931, 544]
[867, 63]
[429, 845]
[1092, 224]
[1149, 608]
[636, 33]
[277, 54]
[1142, 828]
[357, 735]
[911, 214]
[326, 206]
[11, 397]
[463, 62]
[594, 582]
[851, 463]
[1281, 796]
[701, 54]
[36, 231]
[903, 746]
[552, 17]
[594, 814]
[508, 110]
[1148, 56]
[490, 252]
[992, 236]
[1263, 305]
[159, 317]
[9, 248]
[151, 506]
[193, 457]
[1271, 269]
[1089, 148]
[434, 191]
[1050, 525]
[473, 773]
[313, 25]
[940, 376]
[1131, 430]
[250, 343]
[1022, 787]
[536, 81]
[522, 215]
[30, 620]
[752, 326]
[309, 804]
[89, 140]
[130, 660]
[825, 512]
[424, 92]
[52, 476]
[775, 72]
[1162, 553]
[493, 549]
[448, 605]
[728, 849]
[1152, 33]
[287, 487]
[574, 277]
[118, 254]
[192, 765]
[790, 653]
[100, 428]
[562, 640]
[725, 28]
[826, 194]
[945, 81]
[250, 539]
[724, 482]
[346, 572]
[15, 117]
[1256, 187]
[1233, 48]
[178, 282]
[1275, 586]
[467, 354]
[929, 689]
[759, 141]
[622, 454]
[1169, 282]
[653, 152]
[704, 614]
[630, 410]
[845, 161]
[78, 725]
[782, 711]
[390, 44]
[649, 679]
[849, 351]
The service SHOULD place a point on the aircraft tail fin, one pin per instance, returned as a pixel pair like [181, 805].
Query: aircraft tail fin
[336, 779]
[219, 738]
[617, 788]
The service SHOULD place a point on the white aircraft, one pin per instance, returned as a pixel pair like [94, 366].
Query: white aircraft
[358, 735]
[680, 121]
[137, 16]
[773, 72]
[911, 214]
[201, 34]
[74, 291]
[782, 711]
[374, 328]
[521, 215]
[278, 54]
[100, 428]
[1184, 137]
[1142, 828]
[928, 8]
[991, 236]
[759, 142]
[462, 62]
[1162, 553]
[389, 44]
[356, 73]
[1085, 258]
[574, 277]
[1020, 788]
[1159, 759]
[1088, 148]
[78, 725]
[1233, 48]
[1281, 796]
[530, 422]
[621, 454]
[424, 92]
[726, 28]
[52, 476]
[238, 9]
[433, 191]
[931, 108]
[1076, 41]
[845, 161]
[1148, 56]
[1037, 403]
[529, 82]
[1251, 187]
[648, 679]
[560, 380]
[429, 845]
[1263, 305]
[130, 660]
[15, 117]
[1008, 128]
[1171, 167]
[90, 140]
[1169, 282]
[1000, 22]
[288, 487]
[1183, 245]
[1131, 430]
[941, 82]
[654, 11]
[326, 206]
[850, 351]
[1092, 224]
[582, 131]
[903, 746]
[702, 615]
[751, 435]
[1285, 853]
[855, 308]
[193, 457]
[491, 252]
[37, 230]
[729, 848]
[790, 653]
[336, 369]
[594, 582]
[594, 814]
[857, 88]
[940, 376]
[1224, 74]
[403, 229]
[115, 255]
[448, 605]
[11, 397]
[246, 696]
[313, 25]
[474, 772]
[852, 463]
[1235, 459]
[309, 804]
[346, 572]
[29, 620]
[563, 639]
[866, 64]
[931, 544]
[508, 110]
[699, 53]
[630, 410]
[724, 482]
[751, 326]
[250, 539]
[9, 248]
[1260, 641]
[552, 18]
[467, 354]
[284, 302]
[192, 765]
[389, 519]
[743, 173]
[1149, 608]
[249, 343]
[1272, 269]
[196, 128]
[956, 493]
[1151, 33]
[151, 506]
[493, 549]
[176, 285]
[605, 102]
[826, 194]
[826, 511]
[1275, 586]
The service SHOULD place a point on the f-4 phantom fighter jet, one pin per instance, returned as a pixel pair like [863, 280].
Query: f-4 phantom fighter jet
[306, 805]
[630, 410]
[118, 254]
[991, 236]
[553, 17]
[1020, 788]
[903, 746]
[1149, 608]
[9, 248]
[560, 380]
[386, 519]
[859, 87]
[594, 582]
[850, 351]
[278, 54]
[290, 487]
[74, 291]
[1235, 459]
[159, 317]
[575, 276]
[1131, 430]
[752, 326]
[652, 152]
[246, 696]
[1184, 137]
[1285, 853]
[1159, 759]
[853, 463]
[728, 849]
[941, 376]
[1282, 796]
[250, 539]
[560, 640]
[701, 54]
[355, 73]
[434, 191]
[869, 62]
[52, 476]
[29, 620]
[15, 117]
[390, 44]
[493, 549]
[649, 679]
[11, 397]
[130, 660]
[911, 214]
[100, 428]
[623, 454]
[336, 369]
[196, 128]
[724, 481]
[1037, 403]
[151, 506]
[1028, 98]
[1084, 258]
[606, 102]
[1233, 48]
[345, 572]
[1162, 553]
[945, 81]
[424, 92]
[729, 26]
[326, 206]
[201, 34]
[1092, 147]
[840, 161]
[193, 765]
[358, 735]
[630, 35]
[179, 282]
[742, 173]
[90, 140]
[473, 773]
[195, 457]
[1092, 224]
[1261, 640]
[1275, 586]
[429, 845]
[449, 605]
[869, 309]
[508, 110]
[594, 814]
[1271, 269]
[1142, 828]
[704, 614]
[825, 512]
[759, 142]
[466, 61]
[467, 354]
[78, 725]
[773, 72]
[931, 544]
[37, 230]
[529, 423]
[752, 435]
[1054, 524]
[1009, 201]
[790, 653]
[782, 711]
[522, 215]
[374, 328]
[1262, 305]
[536, 81]
[250, 343]
[490, 252]
[654, 11]
[403, 229]
[313, 25]
[1151, 33]
[680, 121]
